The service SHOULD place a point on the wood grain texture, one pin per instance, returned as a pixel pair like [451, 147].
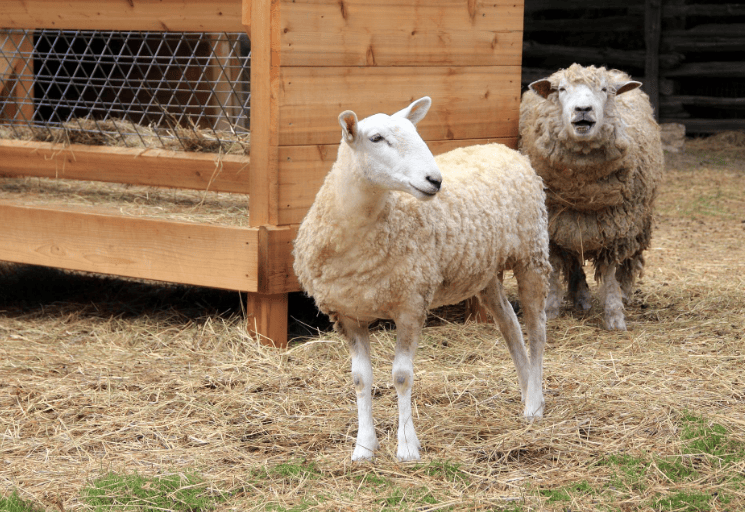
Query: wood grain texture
[154, 167]
[168, 15]
[303, 169]
[265, 62]
[470, 102]
[401, 33]
[267, 317]
[89, 240]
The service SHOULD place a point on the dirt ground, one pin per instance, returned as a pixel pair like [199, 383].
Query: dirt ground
[101, 374]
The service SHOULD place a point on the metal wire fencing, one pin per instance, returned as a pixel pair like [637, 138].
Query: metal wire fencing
[174, 90]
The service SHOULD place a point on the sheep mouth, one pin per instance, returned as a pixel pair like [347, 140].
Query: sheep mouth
[583, 126]
[428, 195]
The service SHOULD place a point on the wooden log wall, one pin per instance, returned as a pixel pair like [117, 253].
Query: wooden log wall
[688, 54]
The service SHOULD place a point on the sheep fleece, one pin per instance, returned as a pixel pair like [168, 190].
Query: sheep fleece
[600, 196]
[490, 215]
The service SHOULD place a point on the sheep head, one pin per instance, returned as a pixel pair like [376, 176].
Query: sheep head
[585, 101]
[389, 153]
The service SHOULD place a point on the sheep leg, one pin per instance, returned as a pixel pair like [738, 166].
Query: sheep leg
[612, 298]
[532, 292]
[495, 300]
[555, 287]
[358, 340]
[409, 328]
[579, 292]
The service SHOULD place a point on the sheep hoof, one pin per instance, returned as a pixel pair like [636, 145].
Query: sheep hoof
[615, 322]
[552, 312]
[582, 304]
[408, 452]
[363, 453]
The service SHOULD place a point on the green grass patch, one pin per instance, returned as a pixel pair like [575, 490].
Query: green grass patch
[444, 470]
[136, 492]
[567, 492]
[14, 503]
[408, 499]
[683, 502]
[703, 437]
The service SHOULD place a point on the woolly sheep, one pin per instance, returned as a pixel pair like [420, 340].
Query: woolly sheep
[590, 134]
[382, 240]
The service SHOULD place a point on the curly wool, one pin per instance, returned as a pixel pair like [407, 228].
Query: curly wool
[489, 216]
[600, 194]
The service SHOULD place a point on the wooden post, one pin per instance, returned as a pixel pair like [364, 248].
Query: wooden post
[267, 317]
[265, 63]
[652, 29]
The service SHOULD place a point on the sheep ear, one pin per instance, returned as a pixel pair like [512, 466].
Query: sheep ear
[623, 87]
[349, 128]
[541, 87]
[417, 110]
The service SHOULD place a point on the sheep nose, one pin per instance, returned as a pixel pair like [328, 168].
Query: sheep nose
[436, 182]
[583, 109]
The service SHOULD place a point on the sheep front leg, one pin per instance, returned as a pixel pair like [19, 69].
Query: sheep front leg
[403, 379]
[362, 375]
[531, 289]
[612, 299]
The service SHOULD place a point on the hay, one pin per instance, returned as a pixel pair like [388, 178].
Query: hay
[99, 374]
[130, 200]
[121, 133]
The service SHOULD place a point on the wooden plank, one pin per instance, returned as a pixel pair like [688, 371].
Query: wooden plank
[153, 167]
[169, 15]
[709, 69]
[265, 62]
[401, 33]
[303, 169]
[197, 254]
[703, 101]
[470, 102]
[276, 274]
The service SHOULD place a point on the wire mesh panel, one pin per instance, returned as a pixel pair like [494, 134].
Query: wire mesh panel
[173, 90]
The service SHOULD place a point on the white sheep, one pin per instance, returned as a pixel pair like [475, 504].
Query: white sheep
[381, 242]
[590, 134]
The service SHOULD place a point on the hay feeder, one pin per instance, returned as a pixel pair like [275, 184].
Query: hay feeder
[310, 59]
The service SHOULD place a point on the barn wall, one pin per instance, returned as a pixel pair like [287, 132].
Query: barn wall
[694, 66]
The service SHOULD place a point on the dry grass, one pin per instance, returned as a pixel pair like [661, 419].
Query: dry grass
[102, 374]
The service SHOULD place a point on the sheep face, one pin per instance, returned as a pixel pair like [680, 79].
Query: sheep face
[389, 153]
[586, 98]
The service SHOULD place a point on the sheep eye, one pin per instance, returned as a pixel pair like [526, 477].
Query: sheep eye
[562, 89]
[604, 89]
[376, 138]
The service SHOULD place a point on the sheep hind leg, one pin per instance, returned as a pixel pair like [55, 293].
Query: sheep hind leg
[555, 288]
[408, 328]
[358, 339]
[495, 300]
[611, 298]
[531, 288]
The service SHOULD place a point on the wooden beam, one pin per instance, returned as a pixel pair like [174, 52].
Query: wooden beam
[107, 243]
[731, 69]
[396, 33]
[153, 167]
[168, 15]
[267, 318]
[265, 63]
[468, 102]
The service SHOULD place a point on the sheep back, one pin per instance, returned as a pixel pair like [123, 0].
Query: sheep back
[489, 216]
